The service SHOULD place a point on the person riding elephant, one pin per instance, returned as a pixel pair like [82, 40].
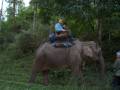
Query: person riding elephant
[60, 35]
[61, 29]
[63, 33]
[59, 26]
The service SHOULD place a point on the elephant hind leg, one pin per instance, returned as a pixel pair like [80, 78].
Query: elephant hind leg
[45, 77]
[35, 70]
[33, 77]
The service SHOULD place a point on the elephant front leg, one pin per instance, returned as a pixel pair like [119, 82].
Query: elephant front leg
[102, 64]
[77, 76]
[45, 77]
[102, 67]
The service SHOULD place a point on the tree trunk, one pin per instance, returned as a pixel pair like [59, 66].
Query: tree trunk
[1, 14]
[14, 13]
[35, 16]
[99, 30]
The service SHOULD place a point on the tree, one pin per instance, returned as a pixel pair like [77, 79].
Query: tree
[13, 10]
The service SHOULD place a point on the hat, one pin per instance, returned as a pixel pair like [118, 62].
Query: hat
[118, 54]
[61, 17]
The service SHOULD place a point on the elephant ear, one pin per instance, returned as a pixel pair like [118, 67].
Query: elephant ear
[87, 51]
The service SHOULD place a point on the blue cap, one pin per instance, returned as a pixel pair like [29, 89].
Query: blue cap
[118, 54]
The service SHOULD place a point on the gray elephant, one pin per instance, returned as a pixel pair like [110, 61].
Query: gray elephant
[48, 57]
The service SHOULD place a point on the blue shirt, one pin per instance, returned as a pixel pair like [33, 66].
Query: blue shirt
[58, 27]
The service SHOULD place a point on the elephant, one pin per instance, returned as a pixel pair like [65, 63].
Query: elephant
[48, 57]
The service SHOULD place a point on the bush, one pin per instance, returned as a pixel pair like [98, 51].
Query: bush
[5, 39]
[27, 42]
[13, 51]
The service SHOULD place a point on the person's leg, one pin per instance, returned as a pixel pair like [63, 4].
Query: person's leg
[116, 83]
[52, 37]
[118, 87]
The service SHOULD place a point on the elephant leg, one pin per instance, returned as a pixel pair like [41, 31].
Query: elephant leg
[97, 66]
[76, 76]
[102, 64]
[102, 67]
[35, 70]
[45, 77]
[83, 65]
[33, 76]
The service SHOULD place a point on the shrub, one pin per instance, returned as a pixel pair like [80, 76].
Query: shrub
[5, 39]
[27, 42]
[13, 51]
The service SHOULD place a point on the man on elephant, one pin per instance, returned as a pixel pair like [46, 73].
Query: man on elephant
[59, 27]
[57, 30]
[62, 32]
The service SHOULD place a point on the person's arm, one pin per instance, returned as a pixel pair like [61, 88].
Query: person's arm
[116, 65]
[59, 28]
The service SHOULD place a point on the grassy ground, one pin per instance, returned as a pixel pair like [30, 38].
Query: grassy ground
[14, 74]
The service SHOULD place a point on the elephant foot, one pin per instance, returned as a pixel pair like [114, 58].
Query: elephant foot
[45, 83]
[30, 82]
[45, 78]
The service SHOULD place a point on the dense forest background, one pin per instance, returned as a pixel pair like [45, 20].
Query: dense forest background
[23, 29]
[26, 27]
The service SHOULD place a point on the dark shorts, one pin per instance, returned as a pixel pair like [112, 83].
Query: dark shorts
[116, 81]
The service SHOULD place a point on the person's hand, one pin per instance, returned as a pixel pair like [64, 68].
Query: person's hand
[64, 30]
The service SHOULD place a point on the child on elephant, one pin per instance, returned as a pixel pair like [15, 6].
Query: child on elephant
[116, 77]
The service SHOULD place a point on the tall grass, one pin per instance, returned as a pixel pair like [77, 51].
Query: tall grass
[15, 73]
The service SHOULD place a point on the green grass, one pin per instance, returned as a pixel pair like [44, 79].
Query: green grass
[15, 73]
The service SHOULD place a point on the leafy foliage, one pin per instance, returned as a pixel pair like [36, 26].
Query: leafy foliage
[88, 20]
